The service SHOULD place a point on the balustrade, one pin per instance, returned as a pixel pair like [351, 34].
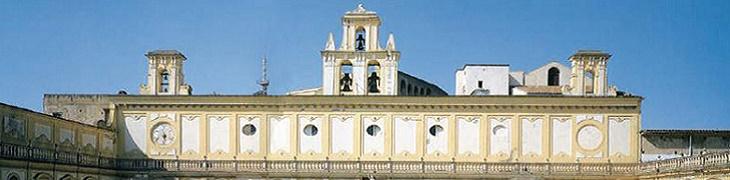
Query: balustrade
[80, 158]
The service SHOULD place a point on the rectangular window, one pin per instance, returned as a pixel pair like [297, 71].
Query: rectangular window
[480, 84]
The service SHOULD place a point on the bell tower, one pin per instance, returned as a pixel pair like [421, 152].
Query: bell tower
[165, 74]
[360, 66]
[589, 75]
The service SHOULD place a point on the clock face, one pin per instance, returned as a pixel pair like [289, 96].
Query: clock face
[163, 134]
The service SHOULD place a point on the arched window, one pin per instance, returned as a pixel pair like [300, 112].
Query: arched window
[428, 92]
[360, 39]
[553, 77]
[164, 81]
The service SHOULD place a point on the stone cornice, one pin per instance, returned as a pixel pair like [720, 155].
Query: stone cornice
[384, 103]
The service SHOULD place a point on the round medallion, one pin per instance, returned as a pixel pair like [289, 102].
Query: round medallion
[163, 134]
[589, 137]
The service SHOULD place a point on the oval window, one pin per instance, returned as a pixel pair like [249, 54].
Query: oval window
[435, 130]
[248, 130]
[310, 130]
[373, 130]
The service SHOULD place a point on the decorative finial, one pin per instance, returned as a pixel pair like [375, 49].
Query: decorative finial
[391, 43]
[264, 82]
[330, 46]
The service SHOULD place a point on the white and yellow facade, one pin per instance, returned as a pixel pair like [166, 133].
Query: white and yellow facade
[480, 129]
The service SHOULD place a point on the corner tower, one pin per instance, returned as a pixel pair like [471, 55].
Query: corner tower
[360, 66]
[589, 74]
[165, 74]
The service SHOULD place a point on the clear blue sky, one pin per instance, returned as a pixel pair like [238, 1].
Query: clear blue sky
[676, 54]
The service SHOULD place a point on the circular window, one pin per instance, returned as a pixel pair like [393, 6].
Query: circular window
[310, 130]
[435, 130]
[373, 130]
[249, 129]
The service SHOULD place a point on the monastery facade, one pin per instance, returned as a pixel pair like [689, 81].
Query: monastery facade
[368, 119]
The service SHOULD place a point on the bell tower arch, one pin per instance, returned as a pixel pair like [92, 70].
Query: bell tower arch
[360, 66]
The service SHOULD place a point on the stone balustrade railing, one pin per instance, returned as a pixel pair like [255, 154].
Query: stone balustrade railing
[684, 164]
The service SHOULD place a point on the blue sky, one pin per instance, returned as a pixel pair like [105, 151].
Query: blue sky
[673, 53]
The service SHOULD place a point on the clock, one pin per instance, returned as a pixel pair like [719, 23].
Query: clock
[163, 134]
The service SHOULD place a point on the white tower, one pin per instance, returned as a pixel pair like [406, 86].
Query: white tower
[360, 66]
[165, 74]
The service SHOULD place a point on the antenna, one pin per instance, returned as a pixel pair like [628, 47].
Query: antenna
[264, 82]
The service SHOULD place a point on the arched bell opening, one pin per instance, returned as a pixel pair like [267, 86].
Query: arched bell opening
[374, 76]
[164, 81]
[360, 37]
[346, 77]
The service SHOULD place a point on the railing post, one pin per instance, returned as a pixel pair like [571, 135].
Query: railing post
[327, 164]
[205, 163]
[296, 164]
[453, 165]
[235, 163]
[390, 165]
[423, 165]
[266, 164]
[177, 162]
[359, 165]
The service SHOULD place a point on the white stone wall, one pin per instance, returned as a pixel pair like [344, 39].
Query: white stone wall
[539, 76]
[495, 78]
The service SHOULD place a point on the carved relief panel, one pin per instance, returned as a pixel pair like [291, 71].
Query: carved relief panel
[280, 135]
[310, 134]
[373, 131]
[589, 136]
[405, 135]
[249, 127]
[437, 135]
[468, 135]
[190, 134]
[219, 136]
[500, 129]
[343, 136]
[135, 134]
